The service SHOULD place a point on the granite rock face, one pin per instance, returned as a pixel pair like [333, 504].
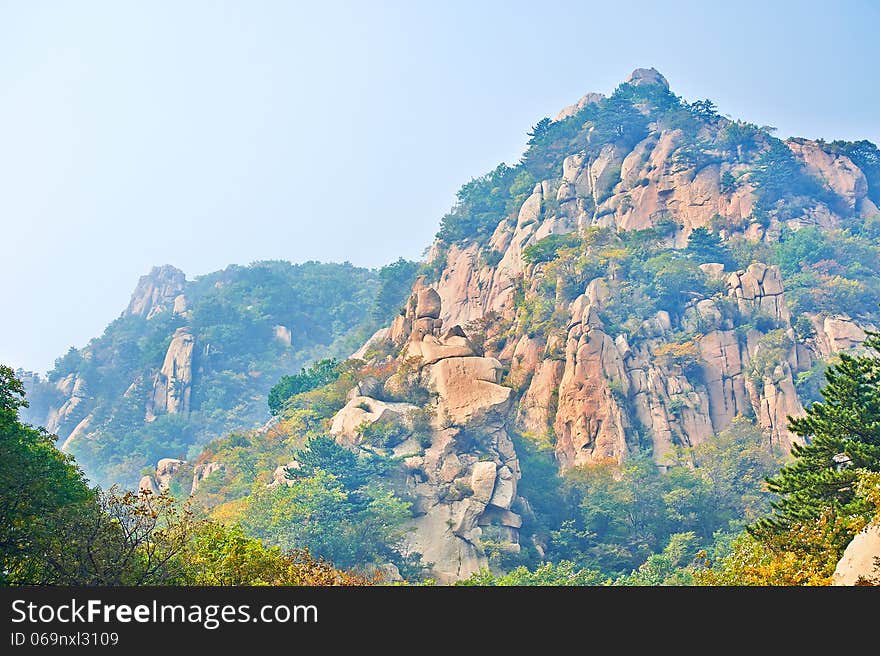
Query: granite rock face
[172, 387]
[459, 464]
[157, 291]
[593, 392]
[597, 392]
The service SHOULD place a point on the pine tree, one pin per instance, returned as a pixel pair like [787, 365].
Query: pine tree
[707, 246]
[842, 437]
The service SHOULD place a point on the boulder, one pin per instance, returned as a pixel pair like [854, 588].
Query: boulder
[381, 335]
[428, 304]
[147, 484]
[280, 474]
[468, 388]
[282, 334]
[165, 470]
[366, 410]
[430, 349]
[482, 481]
[505, 489]
[843, 334]
[202, 471]
[860, 564]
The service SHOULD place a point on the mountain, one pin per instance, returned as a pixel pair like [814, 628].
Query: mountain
[187, 361]
[595, 366]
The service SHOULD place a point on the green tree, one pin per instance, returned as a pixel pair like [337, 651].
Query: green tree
[563, 573]
[334, 506]
[670, 567]
[799, 248]
[319, 374]
[221, 555]
[395, 281]
[705, 110]
[674, 280]
[842, 435]
[540, 130]
[706, 246]
[40, 488]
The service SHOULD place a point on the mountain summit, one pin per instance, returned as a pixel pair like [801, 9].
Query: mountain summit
[651, 279]
[650, 276]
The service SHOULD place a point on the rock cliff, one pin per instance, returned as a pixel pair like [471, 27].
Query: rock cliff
[460, 465]
[172, 387]
[629, 286]
[157, 291]
[570, 363]
[600, 393]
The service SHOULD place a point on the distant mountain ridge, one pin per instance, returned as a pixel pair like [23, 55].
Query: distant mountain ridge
[190, 360]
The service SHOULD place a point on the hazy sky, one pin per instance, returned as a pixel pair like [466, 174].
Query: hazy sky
[202, 134]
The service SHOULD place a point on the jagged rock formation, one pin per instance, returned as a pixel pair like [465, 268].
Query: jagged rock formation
[160, 479]
[202, 471]
[469, 362]
[172, 387]
[460, 466]
[187, 476]
[598, 393]
[68, 414]
[158, 290]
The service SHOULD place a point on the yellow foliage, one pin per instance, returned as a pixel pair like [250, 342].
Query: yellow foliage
[229, 512]
[802, 556]
[678, 351]
[615, 253]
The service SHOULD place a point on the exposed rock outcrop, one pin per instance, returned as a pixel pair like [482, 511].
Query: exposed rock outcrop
[73, 411]
[157, 291]
[838, 172]
[166, 468]
[282, 334]
[596, 393]
[461, 468]
[604, 391]
[172, 387]
[202, 471]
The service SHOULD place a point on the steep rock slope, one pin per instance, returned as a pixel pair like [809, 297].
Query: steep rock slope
[674, 375]
[462, 470]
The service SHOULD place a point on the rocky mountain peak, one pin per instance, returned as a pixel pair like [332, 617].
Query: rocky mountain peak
[646, 76]
[639, 77]
[571, 110]
[156, 291]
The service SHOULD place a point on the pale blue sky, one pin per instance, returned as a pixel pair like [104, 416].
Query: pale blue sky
[207, 133]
